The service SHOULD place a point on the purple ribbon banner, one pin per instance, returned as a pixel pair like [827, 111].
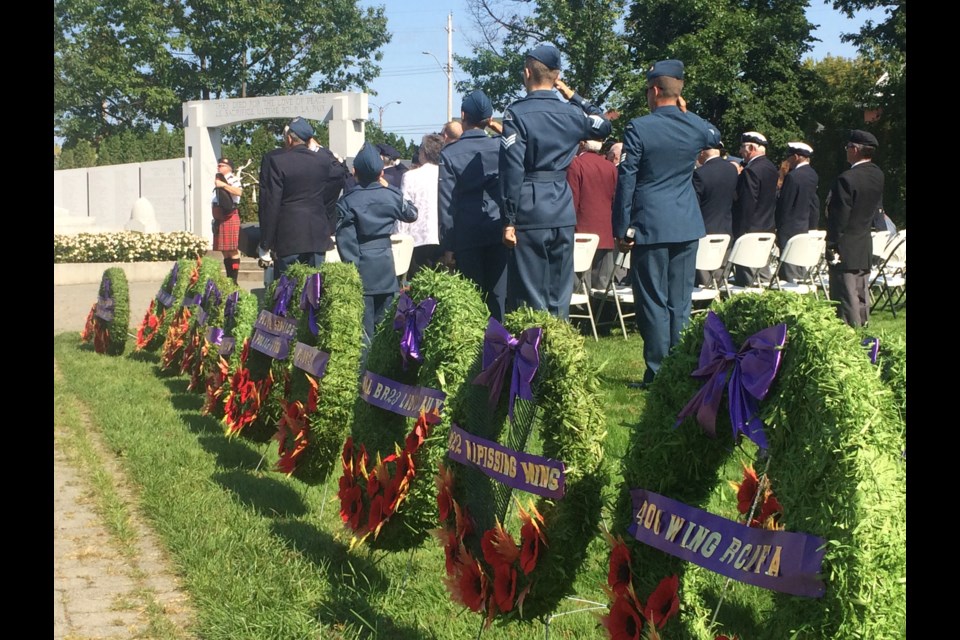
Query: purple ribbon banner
[202, 316]
[227, 345]
[516, 469]
[164, 298]
[747, 373]
[272, 335]
[310, 300]
[310, 359]
[783, 561]
[412, 319]
[104, 309]
[872, 345]
[400, 398]
[224, 344]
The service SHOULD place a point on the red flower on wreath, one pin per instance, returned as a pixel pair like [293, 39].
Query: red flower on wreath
[663, 603]
[346, 457]
[624, 621]
[214, 389]
[619, 575]
[89, 326]
[769, 513]
[243, 400]
[293, 432]
[148, 327]
[451, 547]
[504, 586]
[444, 482]
[471, 583]
[101, 337]
[531, 537]
[766, 515]
[351, 505]
[746, 490]
[498, 547]
[463, 521]
[175, 337]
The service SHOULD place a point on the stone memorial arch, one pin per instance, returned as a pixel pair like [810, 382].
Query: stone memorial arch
[345, 114]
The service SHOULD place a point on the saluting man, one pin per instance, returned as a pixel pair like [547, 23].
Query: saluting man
[541, 134]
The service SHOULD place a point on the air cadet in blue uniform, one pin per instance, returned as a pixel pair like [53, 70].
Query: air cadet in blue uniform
[541, 134]
[365, 219]
[471, 233]
[657, 202]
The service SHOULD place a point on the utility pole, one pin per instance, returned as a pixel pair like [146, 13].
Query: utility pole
[382, 109]
[449, 66]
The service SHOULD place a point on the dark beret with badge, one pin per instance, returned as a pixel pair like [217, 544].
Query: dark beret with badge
[477, 106]
[301, 128]
[547, 54]
[388, 151]
[858, 136]
[368, 164]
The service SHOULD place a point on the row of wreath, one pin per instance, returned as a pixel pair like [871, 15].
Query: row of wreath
[395, 476]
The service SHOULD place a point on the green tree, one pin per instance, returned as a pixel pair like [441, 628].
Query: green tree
[129, 64]
[80, 155]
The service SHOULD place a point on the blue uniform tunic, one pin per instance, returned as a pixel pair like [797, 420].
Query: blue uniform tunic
[541, 134]
[469, 207]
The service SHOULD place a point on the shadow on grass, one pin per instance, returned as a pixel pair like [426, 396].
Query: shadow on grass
[268, 496]
[181, 399]
[356, 584]
[231, 453]
[150, 357]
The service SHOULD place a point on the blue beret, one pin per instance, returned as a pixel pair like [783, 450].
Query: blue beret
[669, 68]
[713, 138]
[546, 54]
[368, 164]
[301, 128]
[477, 106]
[858, 136]
[387, 150]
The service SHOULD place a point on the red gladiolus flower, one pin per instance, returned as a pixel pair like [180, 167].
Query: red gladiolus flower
[351, 505]
[419, 433]
[313, 394]
[360, 468]
[498, 546]
[663, 603]
[391, 497]
[373, 483]
[376, 520]
[504, 586]
[623, 622]
[746, 490]
[530, 538]
[472, 582]
[769, 511]
[619, 576]
[148, 328]
[346, 456]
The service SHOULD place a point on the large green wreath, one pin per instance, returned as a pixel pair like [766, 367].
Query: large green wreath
[565, 423]
[451, 343]
[175, 342]
[109, 336]
[835, 440]
[196, 361]
[156, 321]
[317, 413]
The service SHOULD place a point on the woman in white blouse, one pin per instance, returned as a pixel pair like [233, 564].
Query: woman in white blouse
[419, 186]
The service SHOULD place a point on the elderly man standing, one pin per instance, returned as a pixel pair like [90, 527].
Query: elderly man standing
[656, 215]
[798, 205]
[299, 189]
[851, 205]
[593, 180]
[540, 138]
[715, 182]
[756, 198]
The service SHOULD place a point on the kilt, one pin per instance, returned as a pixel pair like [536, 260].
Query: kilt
[226, 234]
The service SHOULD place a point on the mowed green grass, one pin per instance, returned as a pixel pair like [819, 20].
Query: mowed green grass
[266, 557]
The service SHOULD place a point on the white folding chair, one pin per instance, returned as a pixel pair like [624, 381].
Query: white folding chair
[332, 255]
[889, 279]
[751, 250]
[880, 240]
[621, 296]
[584, 248]
[804, 250]
[402, 245]
[710, 255]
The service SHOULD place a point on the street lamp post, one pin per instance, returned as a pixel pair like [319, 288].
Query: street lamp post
[382, 109]
[448, 70]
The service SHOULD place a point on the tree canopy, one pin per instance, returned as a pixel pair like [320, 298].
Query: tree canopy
[129, 64]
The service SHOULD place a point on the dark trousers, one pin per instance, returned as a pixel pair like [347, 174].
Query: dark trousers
[540, 270]
[283, 262]
[487, 267]
[849, 288]
[662, 277]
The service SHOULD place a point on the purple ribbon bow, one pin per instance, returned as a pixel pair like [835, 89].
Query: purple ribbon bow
[211, 289]
[173, 275]
[230, 307]
[751, 371]
[215, 335]
[499, 349]
[282, 295]
[310, 299]
[872, 345]
[413, 319]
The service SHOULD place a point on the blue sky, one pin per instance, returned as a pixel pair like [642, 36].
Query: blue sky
[412, 87]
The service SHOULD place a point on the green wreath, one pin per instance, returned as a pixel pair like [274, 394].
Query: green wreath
[175, 343]
[486, 569]
[450, 344]
[196, 361]
[317, 413]
[156, 321]
[240, 310]
[254, 403]
[833, 469]
[109, 318]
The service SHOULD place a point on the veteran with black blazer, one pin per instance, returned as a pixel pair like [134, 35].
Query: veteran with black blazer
[851, 205]
[715, 182]
[798, 205]
[756, 199]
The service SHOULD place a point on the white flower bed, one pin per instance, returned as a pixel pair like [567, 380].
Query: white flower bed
[127, 246]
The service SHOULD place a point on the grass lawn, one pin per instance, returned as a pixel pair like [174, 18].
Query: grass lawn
[266, 557]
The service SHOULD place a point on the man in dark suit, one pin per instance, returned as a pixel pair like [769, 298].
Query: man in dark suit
[393, 169]
[798, 205]
[655, 211]
[756, 199]
[299, 194]
[851, 205]
[715, 182]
